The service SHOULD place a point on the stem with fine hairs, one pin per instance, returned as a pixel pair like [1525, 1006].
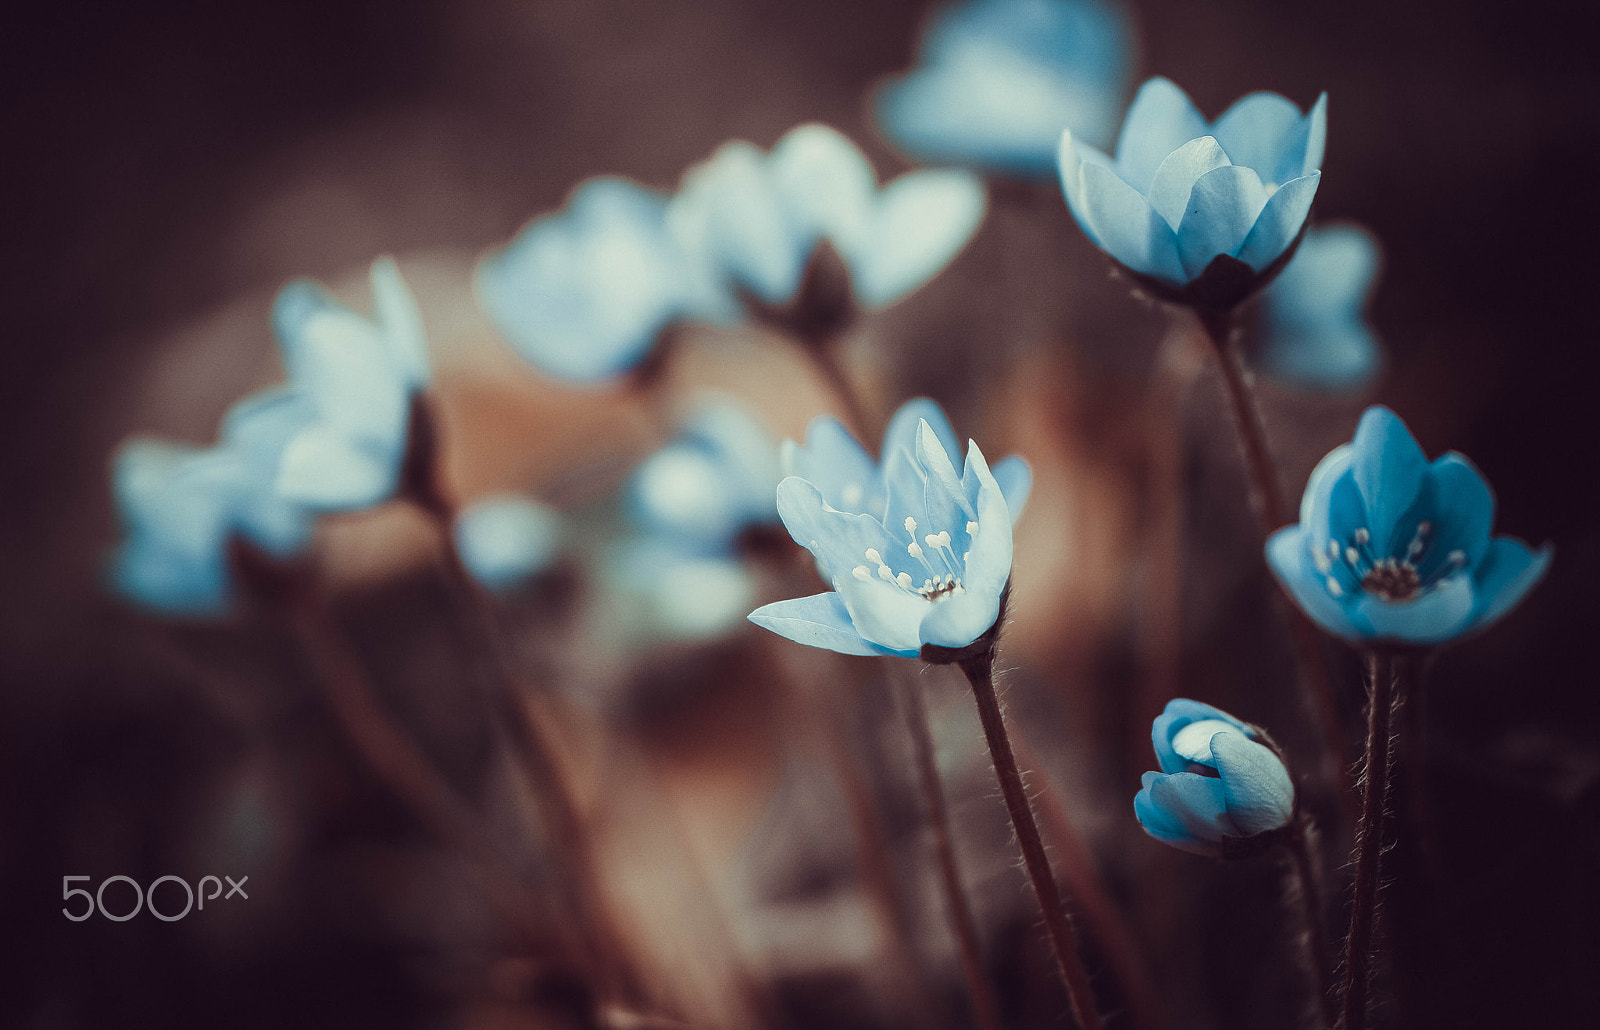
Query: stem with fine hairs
[1316, 927]
[1382, 672]
[1219, 326]
[984, 1006]
[980, 674]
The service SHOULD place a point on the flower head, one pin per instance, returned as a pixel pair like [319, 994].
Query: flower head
[926, 564]
[1313, 325]
[506, 539]
[1201, 211]
[1000, 79]
[1394, 548]
[183, 507]
[1217, 783]
[359, 376]
[585, 293]
[754, 220]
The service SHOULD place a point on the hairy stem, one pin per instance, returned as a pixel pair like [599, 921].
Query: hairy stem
[1219, 327]
[984, 1005]
[1381, 677]
[1316, 927]
[980, 673]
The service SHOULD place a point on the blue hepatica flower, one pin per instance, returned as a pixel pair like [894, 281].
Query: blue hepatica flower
[359, 375]
[753, 220]
[1313, 325]
[1217, 783]
[1000, 79]
[1394, 548]
[183, 507]
[506, 539]
[1183, 193]
[928, 567]
[584, 294]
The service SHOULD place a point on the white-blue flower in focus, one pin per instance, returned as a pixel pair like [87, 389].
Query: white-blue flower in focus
[753, 220]
[359, 375]
[998, 81]
[1183, 192]
[1313, 316]
[506, 539]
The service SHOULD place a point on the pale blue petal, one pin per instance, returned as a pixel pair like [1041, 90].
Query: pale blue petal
[1016, 483]
[989, 555]
[169, 581]
[884, 614]
[262, 423]
[1387, 467]
[1264, 131]
[838, 539]
[1279, 222]
[903, 425]
[1175, 179]
[1457, 500]
[820, 620]
[728, 212]
[1179, 713]
[944, 499]
[1316, 136]
[1196, 802]
[1160, 120]
[837, 465]
[1316, 502]
[1258, 790]
[922, 221]
[1432, 617]
[400, 320]
[507, 539]
[341, 364]
[958, 620]
[1222, 208]
[1289, 557]
[1125, 225]
[1331, 357]
[1331, 276]
[1164, 827]
[826, 183]
[1508, 571]
[325, 470]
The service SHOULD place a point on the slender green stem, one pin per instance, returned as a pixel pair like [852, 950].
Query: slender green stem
[1219, 328]
[984, 1005]
[980, 674]
[1381, 676]
[1316, 928]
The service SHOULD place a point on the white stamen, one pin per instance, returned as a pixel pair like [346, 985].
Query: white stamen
[885, 573]
[1334, 588]
[972, 529]
[873, 556]
[1333, 549]
[862, 573]
[1362, 536]
[932, 540]
[1351, 555]
[914, 549]
[1323, 562]
[904, 579]
[911, 526]
[1458, 557]
[1424, 528]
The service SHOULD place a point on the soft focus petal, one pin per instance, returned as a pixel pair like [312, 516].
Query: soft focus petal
[1196, 802]
[903, 427]
[1164, 826]
[1256, 786]
[923, 219]
[1279, 222]
[1387, 466]
[505, 540]
[1432, 617]
[1508, 571]
[1259, 130]
[1126, 226]
[1457, 500]
[400, 320]
[1222, 209]
[820, 620]
[1160, 120]
[1289, 557]
[325, 470]
[1015, 479]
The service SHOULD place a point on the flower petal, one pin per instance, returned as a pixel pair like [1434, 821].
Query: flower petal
[825, 183]
[1432, 617]
[1289, 556]
[1125, 226]
[1457, 500]
[882, 613]
[1260, 131]
[1257, 787]
[1509, 570]
[1279, 222]
[400, 320]
[505, 540]
[1160, 120]
[1016, 483]
[325, 470]
[820, 620]
[989, 554]
[902, 430]
[837, 465]
[1222, 208]
[958, 620]
[1196, 802]
[1175, 179]
[1387, 466]
[923, 219]
[944, 498]
[1163, 826]
[1180, 713]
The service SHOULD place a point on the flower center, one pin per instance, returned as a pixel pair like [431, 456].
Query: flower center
[943, 580]
[1391, 578]
[1392, 581]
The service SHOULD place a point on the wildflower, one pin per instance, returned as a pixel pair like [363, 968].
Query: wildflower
[1202, 213]
[359, 375]
[506, 539]
[755, 220]
[184, 507]
[584, 294]
[1393, 548]
[999, 80]
[1313, 328]
[1217, 787]
[929, 571]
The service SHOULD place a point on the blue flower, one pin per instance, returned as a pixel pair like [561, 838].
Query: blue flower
[506, 539]
[1000, 79]
[1217, 784]
[1184, 193]
[1391, 547]
[1314, 332]
[711, 483]
[753, 220]
[929, 568]
[183, 507]
[584, 293]
[359, 375]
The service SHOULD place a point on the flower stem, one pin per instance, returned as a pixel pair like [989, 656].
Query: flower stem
[1219, 326]
[1316, 927]
[984, 1005]
[1369, 838]
[980, 674]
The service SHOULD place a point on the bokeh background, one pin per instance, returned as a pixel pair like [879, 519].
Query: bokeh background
[168, 165]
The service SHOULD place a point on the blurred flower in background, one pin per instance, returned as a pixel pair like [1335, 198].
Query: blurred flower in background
[1216, 781]
[1314, 331]
[1182, 192]
[998, 80]
[359, 376]
[506, 539]
[1391, 547]
[755, 220]
[585, 293]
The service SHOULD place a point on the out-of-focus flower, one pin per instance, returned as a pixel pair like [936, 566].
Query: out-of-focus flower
[359, 375]
[506, 539]
[754, 220]
[671, 593]
[1393, 548]
[1000, 79]
[182, 507]
[1202, 210]
[1313, 325]
[1217, 784]
[953, 529]
[584, 293]
[848, 478]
